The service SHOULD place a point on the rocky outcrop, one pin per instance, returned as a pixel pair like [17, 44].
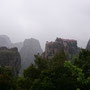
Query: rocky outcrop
[5, 41]
[27, 52]
[88, 46]
[10, 58]
[69, 46]
[19, 45]
[27, 49]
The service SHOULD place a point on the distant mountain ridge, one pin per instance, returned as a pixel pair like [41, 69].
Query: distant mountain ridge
[30, 47]
[27, 49]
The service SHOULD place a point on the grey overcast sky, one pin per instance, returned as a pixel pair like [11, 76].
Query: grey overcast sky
[45, 20]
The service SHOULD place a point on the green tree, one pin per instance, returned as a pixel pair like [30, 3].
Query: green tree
[56, 73]
[6, 79]
[83, 62]
[77, 73]
[41, 63]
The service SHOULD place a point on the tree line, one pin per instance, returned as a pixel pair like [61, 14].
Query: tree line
[56, 73]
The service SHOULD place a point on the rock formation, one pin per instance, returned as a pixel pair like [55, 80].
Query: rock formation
[5, 41]
[69, 46]
[27, 49]
[10, 58]
[19, 45]
[27, 52]
[88, 46]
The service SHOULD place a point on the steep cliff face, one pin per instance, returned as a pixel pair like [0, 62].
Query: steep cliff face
[88, 46]
[27, 52]
[10, 58]
[69, 46]
[27, 49]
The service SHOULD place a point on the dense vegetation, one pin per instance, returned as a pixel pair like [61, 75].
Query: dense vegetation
[57, 73]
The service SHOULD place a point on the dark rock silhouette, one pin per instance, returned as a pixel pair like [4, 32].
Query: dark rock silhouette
[10, 58]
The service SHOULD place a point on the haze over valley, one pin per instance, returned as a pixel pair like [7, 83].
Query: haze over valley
[45, 20]
[44, 44]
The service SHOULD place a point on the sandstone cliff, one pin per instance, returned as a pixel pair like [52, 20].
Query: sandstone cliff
[88, 45]
[10, 58]
[27, 49]
[27, 52]
[69, 46]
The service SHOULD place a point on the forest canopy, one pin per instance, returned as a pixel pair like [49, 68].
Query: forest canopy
[57, 73]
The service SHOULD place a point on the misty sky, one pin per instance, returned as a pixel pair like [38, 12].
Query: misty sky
[45, 19]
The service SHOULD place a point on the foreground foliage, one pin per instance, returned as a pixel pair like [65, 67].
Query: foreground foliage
[57, 73]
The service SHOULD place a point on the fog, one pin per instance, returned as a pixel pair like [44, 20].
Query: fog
[45, 20]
